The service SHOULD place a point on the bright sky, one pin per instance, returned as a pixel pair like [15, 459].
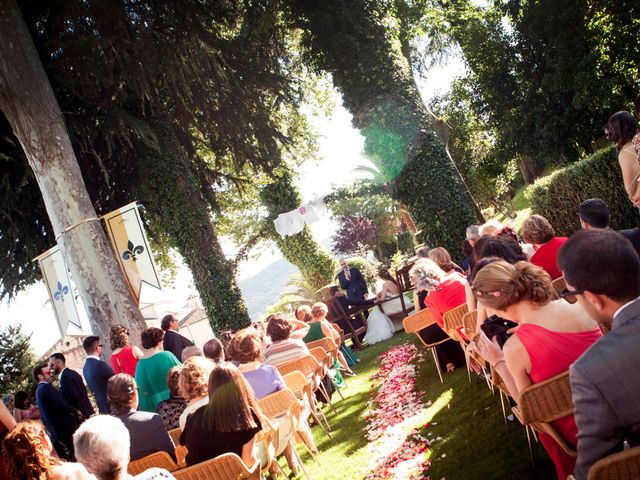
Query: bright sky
[340, 152]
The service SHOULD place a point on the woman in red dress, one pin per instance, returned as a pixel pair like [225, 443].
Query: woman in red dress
[537, 231]
[446, 291]
[551, 335]
[124, 357]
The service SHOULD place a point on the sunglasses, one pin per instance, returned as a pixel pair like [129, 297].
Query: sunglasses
[570, 293]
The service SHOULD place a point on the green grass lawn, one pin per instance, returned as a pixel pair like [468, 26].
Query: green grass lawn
[475, 443]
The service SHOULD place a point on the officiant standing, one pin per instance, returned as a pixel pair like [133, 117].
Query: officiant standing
[352, 281]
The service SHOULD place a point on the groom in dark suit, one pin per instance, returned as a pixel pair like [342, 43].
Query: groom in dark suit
[352, 281]
[71, 385]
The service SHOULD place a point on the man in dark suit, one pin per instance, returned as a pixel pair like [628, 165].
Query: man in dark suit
[173, 342]
[352, 281]
[351, 306]
[71, 385]
[97, 372]
[60, 418]
[594, 213]
[602, 270]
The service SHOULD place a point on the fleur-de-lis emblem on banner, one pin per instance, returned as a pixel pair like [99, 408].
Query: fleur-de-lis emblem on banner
[61, 292]
[133, 251]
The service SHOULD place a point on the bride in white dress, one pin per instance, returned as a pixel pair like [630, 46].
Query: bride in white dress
[379, 326]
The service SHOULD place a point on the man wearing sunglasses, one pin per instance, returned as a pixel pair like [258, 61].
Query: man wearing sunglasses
[602, 270]
[97, 372]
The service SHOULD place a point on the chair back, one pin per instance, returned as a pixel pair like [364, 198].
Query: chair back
[335, 311]
[469, 323]
[307, 365]
[155, 460]
[280, 403]
[403, 278]
[227, 466]
[323, 293]
[418, 321]
[326, 343]
[547, 401]
[296, 381]
[623, 465]
[560, 286]
[175, 435]
[452, 321]
[321, 356]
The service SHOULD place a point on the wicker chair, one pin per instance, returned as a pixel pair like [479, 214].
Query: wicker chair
[224, 467]
[311, 369]
[623, 465]
[469, 325]
[301, 388]
[547, 401]
[325, 360]
[452, 321]
[419, 321]
[285, 404]
[156, 459]
[181, 450]
[327, 344]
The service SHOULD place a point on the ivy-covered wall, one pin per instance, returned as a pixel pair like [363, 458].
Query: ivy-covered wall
[357, 42]
[174, 200]
[315, 264]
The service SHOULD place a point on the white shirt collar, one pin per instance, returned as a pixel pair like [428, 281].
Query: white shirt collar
[93, 356]
[617, 312]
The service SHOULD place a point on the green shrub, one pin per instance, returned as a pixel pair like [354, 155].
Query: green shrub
[558, 196]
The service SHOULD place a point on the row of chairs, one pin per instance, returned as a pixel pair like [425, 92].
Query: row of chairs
[540, 404]
[302, 378]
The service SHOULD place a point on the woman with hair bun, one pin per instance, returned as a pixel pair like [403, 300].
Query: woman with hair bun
[124, 356]
[551, 335]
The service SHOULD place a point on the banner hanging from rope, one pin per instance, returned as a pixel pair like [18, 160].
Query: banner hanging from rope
[129, 241]
[57, 279]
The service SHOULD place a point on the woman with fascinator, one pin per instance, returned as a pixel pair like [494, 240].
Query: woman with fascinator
[445, 291]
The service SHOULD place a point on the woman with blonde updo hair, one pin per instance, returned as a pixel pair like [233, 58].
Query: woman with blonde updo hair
[551, 335]
[124, 357]
[320, 327]
[27, 451]
[193, 385]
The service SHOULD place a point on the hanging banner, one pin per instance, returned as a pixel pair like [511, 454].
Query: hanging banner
[58, 281]
[126, 232]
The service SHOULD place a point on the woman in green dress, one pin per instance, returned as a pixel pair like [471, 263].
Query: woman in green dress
[319, 328]
[152, 369]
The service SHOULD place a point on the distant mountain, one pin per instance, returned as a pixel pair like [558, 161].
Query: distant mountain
[265, 287]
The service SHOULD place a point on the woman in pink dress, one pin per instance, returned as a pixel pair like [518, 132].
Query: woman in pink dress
[551, 335]
[124, 357]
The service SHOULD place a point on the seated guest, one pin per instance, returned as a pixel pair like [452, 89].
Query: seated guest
[190, 351]
[7, 423]
[263, 379]
[194, 376]
[303, 313]
[146, 430]
[594, 213]
[349, 306]
[446, 291]
[102, 446]
[490, 228]
[213, 350]
[171, 409]
[124, 356]
[152, 369]
[442, 258]
[319, 328]
[537, 231]
[603, 270]
[23, 409]
[467, 262]
[552, 334]
[247, 351]
[228, 423]
[28, 455]
[283, 348]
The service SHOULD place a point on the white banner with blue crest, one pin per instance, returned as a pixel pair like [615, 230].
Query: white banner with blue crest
[129, 241]
[57, 279]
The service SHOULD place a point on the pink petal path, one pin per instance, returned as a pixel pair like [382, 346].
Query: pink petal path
[395, 416]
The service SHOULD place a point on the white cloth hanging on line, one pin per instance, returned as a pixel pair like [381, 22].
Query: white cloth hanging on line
[293, 222]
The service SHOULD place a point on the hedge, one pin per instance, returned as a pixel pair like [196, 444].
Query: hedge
[558, 195]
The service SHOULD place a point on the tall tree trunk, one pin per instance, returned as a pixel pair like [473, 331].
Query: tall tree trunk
[28, 102]
[350, 40]
[301, 249]
[175, 200]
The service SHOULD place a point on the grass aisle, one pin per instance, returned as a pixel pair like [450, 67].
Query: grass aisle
[472, 440]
